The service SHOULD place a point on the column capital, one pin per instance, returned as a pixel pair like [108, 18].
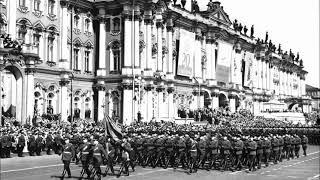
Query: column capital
[30, 71]
[99, 87]
[64, 82]
[159, 24]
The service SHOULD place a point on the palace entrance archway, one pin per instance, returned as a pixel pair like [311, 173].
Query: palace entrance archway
[12, 92]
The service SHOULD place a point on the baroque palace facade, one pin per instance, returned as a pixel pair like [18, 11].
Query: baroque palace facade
[92, 53]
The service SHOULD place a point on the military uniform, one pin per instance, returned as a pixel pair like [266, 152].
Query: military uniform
[67, 155]
[20, 145]
[49, 143]
[252, 148]
[85, 156]
[297, 146]
[32, 145]
[225, 152]
[267, 151]
[304, 143]
[238, 147]
[98, 154]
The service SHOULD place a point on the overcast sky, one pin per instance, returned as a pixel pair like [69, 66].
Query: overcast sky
[293, 23]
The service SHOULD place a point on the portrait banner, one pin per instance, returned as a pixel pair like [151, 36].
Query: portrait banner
[186, 53]
[224, 62]
[248, 76]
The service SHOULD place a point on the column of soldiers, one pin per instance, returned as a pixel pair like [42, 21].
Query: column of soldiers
[212, 151]
[189, 147]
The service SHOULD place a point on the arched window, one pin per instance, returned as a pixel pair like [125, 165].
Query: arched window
[76, 21]
[87, 25]
[116, 56]
[76, 59]
[50, 49]
[36, 6]
[51, 5]
[87, 61]
[116, 25]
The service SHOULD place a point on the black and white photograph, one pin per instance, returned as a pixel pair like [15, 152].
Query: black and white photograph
[160, 89]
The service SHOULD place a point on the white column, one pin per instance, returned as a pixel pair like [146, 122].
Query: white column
[127, 42]
[149, 62]
[232, 104]
[271, 84]
[159, 41]
[170, 50]
[12, 17]
[144, 52]
[127, 107]
[30, 95]
[136, 36]
[213, 61]
[148, 116]
[64, 38]
[197, 58]
[210, 60]
[102, 48]
[55, 50]
[101, 102]
[170, 106]
[215, 102]
[63, 101]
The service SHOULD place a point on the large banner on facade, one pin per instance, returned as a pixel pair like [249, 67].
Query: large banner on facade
[186, 53]
[224, 62]
[248, 71]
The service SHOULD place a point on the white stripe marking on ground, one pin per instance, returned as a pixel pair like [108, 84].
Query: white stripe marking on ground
[36, 167]
[236, 172]
[314, 177]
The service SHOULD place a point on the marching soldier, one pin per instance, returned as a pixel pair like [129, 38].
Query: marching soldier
[85, 156]
[281, 144]
[31, 144]
[213, 146]
[49, 143]
[21, 144]
[260, 147]
[267, 150]
[287, 146]
[238, 147]
[252, 148]
[98, 154]
[297, 145]
[304, 143]
[275, 149]
[67, 154]
[225, 152]
[39, 144]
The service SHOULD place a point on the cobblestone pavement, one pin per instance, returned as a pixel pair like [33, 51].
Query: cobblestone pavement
[50, 167]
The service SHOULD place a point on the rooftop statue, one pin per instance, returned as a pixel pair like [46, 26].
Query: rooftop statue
[267, 37]
[252, 31]
[279, 49]
[210, 5]
[245, 30]
[235, 25]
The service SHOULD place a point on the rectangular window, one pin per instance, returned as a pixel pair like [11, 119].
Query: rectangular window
[116, 60]
[36, 41]
[50, 49]
[51, 7]
[76, 59]
[37, 5]
[86, 61]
